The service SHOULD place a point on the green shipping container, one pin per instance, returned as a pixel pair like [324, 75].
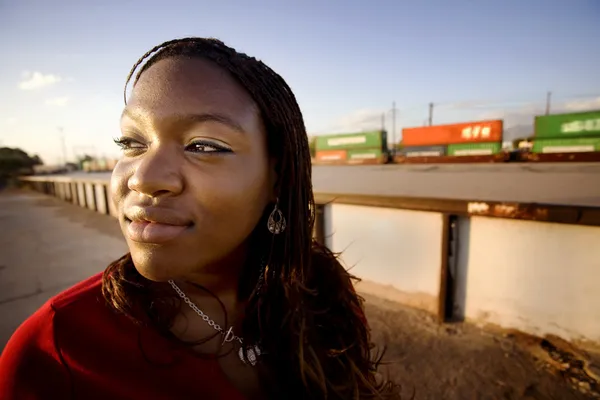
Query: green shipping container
[364, 154]
[583, 124]
[577, 145]
[474, 149]
[351, 141]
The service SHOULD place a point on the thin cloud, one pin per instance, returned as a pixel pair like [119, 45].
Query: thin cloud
[12, 121]
[360, 120]
[58, 101]
[525, 114]
[583, 104]
[37, 80]
[464, 105]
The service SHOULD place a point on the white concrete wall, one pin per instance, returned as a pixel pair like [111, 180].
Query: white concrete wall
[66, 194]
[396, 252]
[81, 194]
[89, 196]
[536, 277]
[58, 189]
[101, 205]
[73, 186]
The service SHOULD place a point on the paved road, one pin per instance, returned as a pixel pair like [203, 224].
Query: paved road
[46, 246]
[559, 183]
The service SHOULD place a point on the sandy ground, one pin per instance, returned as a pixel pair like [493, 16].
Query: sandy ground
[461, 361]
[39, 235]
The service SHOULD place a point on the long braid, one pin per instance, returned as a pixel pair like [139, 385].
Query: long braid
[307, 314]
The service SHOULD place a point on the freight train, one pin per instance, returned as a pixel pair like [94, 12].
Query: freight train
[556, 137]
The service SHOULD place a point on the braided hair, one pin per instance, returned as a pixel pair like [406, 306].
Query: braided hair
[307, 316]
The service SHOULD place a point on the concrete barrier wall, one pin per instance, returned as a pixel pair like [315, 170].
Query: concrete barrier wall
[90, 196]
[538, 277]
[81, 194]
[397, 253]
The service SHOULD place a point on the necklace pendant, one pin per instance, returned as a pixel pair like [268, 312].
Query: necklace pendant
[253, 354]
[229, 336]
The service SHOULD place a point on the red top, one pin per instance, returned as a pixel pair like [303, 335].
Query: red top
[75, 346]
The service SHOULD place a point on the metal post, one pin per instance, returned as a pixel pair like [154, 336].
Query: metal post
[394, 128]
[430, 114]
[548, 98]
[64, 147]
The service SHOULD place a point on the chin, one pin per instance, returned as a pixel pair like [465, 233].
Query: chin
[154, 266]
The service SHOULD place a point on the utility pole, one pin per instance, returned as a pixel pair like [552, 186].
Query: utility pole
[394, 128]
[383, 121]
[64, 147]
[430, 114]
[548, 98]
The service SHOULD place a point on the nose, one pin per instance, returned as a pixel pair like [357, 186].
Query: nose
[157, 173]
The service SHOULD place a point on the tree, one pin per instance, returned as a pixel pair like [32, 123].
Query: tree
[37, 160]
[15, 162]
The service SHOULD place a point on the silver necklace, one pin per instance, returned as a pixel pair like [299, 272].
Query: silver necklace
[228, 336]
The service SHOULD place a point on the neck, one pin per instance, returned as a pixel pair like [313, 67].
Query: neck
[220, 279]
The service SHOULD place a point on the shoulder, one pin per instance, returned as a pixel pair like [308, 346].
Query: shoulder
[89, 290]
[32, 354]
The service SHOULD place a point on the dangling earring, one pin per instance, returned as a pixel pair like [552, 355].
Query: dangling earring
[276, 222]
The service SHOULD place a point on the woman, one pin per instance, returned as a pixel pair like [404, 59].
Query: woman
[224, 294]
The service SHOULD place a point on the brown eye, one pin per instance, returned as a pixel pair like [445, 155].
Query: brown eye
[202, 146]
[126, 143]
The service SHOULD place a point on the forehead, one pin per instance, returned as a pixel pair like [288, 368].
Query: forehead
[189, 85]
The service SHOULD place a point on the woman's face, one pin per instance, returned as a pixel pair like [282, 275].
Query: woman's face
[195, 176]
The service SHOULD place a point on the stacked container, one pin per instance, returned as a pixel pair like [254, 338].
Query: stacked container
[482, 138]
[352, 148]
[567, 133]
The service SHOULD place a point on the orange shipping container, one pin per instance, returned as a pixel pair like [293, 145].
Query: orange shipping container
[331, 155]
[470, 132]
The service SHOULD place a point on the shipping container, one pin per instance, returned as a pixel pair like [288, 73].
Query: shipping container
[331, 155]
[423, 151]
[582, 124]
[376, 139]
[470, 132]
[364, 154]
[575, 145]
[474, 149]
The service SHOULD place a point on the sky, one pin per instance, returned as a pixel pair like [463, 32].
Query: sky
[64, 63]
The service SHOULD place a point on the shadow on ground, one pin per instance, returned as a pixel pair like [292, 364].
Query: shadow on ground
[461, 361]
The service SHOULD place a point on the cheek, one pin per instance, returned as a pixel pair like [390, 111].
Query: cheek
[233, 202]
[118, 183]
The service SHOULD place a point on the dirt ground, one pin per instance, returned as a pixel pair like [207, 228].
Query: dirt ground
[462, 361]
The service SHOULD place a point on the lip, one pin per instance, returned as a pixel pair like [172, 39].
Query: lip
[152, 232]
[155, 225]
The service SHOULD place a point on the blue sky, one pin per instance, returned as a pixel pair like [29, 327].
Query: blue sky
[346, 60]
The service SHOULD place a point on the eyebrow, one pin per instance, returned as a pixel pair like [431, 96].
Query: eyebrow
[194, 118]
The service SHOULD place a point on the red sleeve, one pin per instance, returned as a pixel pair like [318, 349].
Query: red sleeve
[30, 365]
